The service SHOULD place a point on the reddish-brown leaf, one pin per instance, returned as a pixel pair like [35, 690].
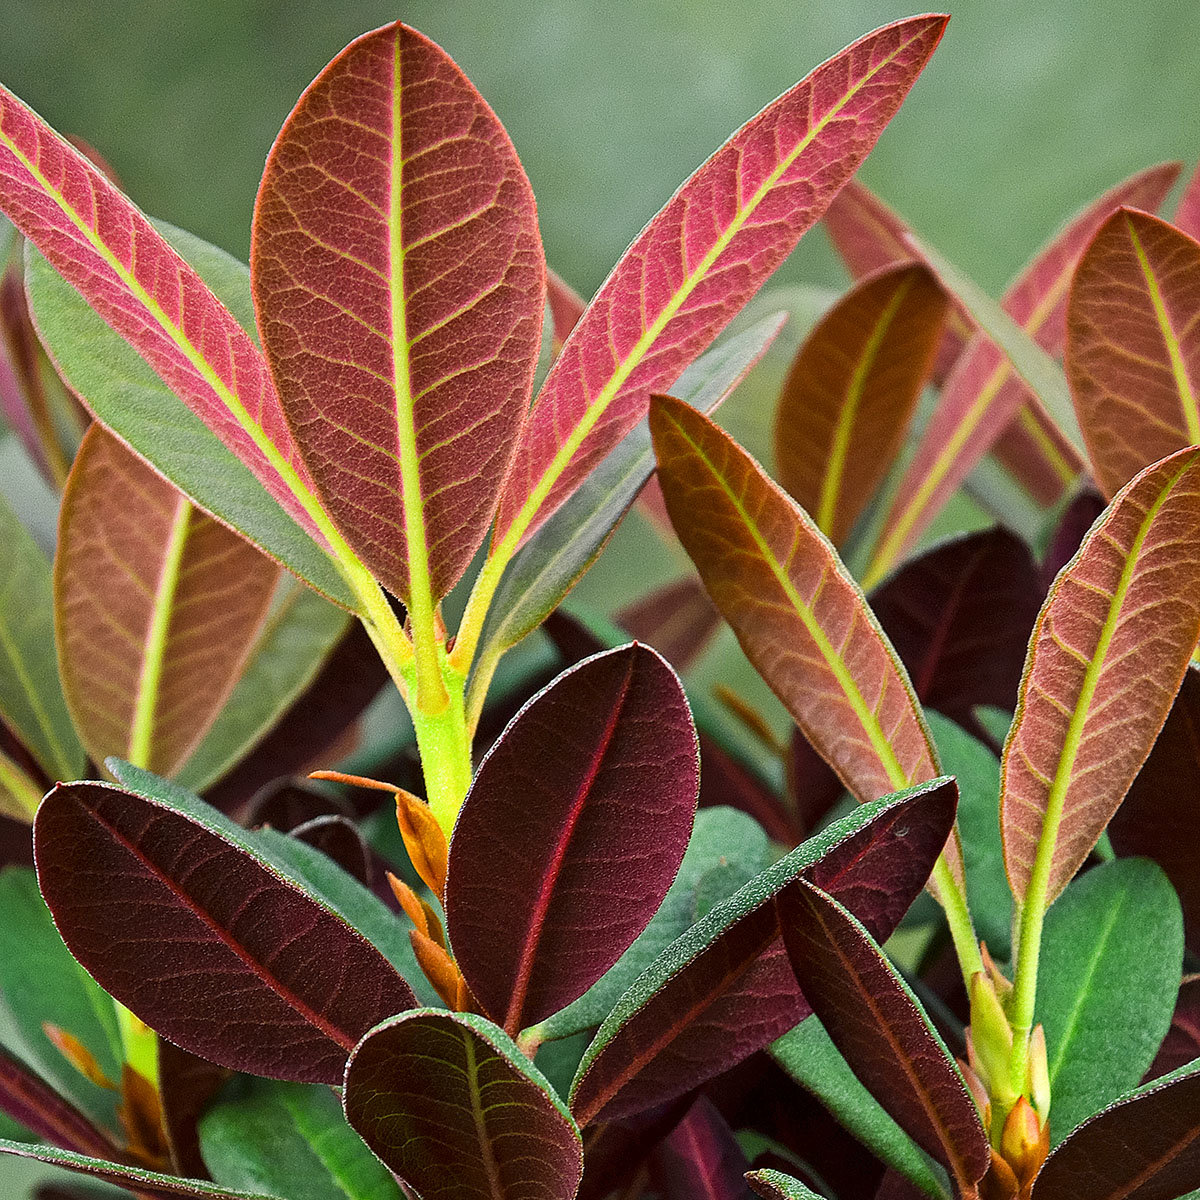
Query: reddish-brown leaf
[798, 614]
[1133, 345]
[1158, 817]
[983, 394]
[1187, 212]
[399, 280]
[157, 608]
[700, 1159]
[678, 620]
[1182, 1043]
[566, 307]
[249, 970]
[876, 1023]
[551, 876]
[702, 257]
[724, 989]
[1145, 1147]
[870, 236]
[450, 1105]
[1107, 656]
[850, 393]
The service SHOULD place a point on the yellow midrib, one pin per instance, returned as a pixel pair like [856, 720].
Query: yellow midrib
[607, 394]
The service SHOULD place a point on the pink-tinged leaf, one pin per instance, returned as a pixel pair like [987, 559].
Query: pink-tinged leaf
[850, 393]
[700, 1159]
[1144, 1147]
[1187, 212]
[250, 970]
[551, 875]
[702, 257]
[1133, 345]
[105, 247]
[399, 280]
[960, 617]
[1158, 816]
[1107, 657]
[678, 620]
[1181, 1046]
[881, 1031]
[29, 1101]
[449, 1104]
[149, 1184]
[870, 237]
[984, 395]
[1037, 454]
[724, 989]
[798, 614]
[566, 307]
[157, 608]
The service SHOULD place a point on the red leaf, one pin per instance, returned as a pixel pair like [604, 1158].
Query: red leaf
[450, 1105]
[551, 875]
[1187, 212]
[702, 257]
[106, 248]
[678, 620]
[1107, 656]
[725, 989]
[700, 1159]
[399, 281]
[566, 307]
[249, 971]
[1182, 1043]
[1133, 346]
[875, 1022]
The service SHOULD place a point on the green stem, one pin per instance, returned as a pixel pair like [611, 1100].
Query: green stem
[445, 747]
[958, 917]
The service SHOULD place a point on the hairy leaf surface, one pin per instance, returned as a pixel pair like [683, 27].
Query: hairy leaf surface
[850, 393]
[450, 1104]
[1107, 657]
[1133, 346]
[551, 875]
[157, 608]
[250, 970]
[400, 283]
[724, 989]
[703, 256]
[875, 1021]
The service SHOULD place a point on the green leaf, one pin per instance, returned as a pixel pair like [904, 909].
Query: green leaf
[728, 848]
[41, 982]
[300, 631]
[31, 700]
[291, 1139]
[124, 393]
[775, 1185]
[809, 1056]
[1111, 961]
[978, 773]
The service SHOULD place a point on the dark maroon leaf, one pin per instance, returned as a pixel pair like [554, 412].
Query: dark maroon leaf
[344, 686]
[32, 1103]
[700, 1159]
[1082, 513]
[1182, 1043]
[450, 1105]
[551, 875]
[875, 1022]
[960, 617]
[288, 803]
[678, 620]
[1145, 1147]
[338, 839]
[724, 989]
[248, 969]
[186, 1086]
[724, 780]
[614, 1151]
[812, 784]
[1158, 816]
[16, 843]
[896, 1187]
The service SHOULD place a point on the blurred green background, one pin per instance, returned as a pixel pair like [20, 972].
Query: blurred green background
[1029, 109]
